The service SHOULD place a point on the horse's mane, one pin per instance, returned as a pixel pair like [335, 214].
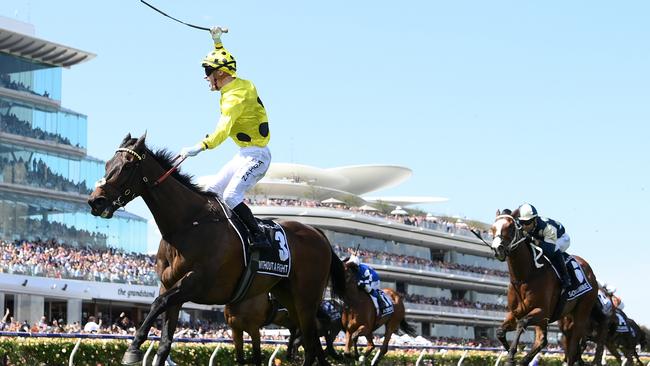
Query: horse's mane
[166, 160]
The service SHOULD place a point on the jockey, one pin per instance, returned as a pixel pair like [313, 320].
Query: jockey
[616, 300]
[549, 235]
[243, 118]
[368, 280]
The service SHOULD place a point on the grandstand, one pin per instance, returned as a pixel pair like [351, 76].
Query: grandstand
[45, 177]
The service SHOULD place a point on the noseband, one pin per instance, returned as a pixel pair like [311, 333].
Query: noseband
[516, 240]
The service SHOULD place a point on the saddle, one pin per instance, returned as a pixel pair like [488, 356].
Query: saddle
[275, 261]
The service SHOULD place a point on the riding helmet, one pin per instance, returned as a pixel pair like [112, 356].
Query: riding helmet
[220, 59]
[527, 212]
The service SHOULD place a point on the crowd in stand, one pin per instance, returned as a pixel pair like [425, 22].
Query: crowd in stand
[373, 256]
[38, 174]
[10, 123]
[459, 303]
[51, 259]
[6, 82]
[423, 221]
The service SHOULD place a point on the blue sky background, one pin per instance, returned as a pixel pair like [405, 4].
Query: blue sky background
[489, 103]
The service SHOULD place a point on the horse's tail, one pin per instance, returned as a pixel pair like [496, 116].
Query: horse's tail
[337, 271]
[407, 328]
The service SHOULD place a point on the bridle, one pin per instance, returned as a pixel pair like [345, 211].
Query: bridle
[519, 237]
[128, 195]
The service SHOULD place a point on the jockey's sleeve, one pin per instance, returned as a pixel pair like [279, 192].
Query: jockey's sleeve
[231, 108]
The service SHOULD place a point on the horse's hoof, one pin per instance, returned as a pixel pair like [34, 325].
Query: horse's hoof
[362, 358]
[132, 357]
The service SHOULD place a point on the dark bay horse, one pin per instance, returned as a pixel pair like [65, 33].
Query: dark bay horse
[534, 293]
[249, 316]
[360, 317]
[200, 256]
[626, 342]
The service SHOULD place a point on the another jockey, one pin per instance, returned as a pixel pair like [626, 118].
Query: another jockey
[368, 280]
[616, 300]
[549, 235]
[243, 118]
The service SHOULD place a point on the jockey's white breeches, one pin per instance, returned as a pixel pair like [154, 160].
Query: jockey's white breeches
[563, 242]
[240, 174]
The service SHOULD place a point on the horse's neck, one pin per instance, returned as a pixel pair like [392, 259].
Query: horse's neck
[172, 204]
[520, 262]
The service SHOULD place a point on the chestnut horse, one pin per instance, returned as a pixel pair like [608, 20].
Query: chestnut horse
[200, 257]
[534, 293]
[360, 317]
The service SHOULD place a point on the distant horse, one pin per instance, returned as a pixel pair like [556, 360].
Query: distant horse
[249, 316]
[626, 342]
[254, 313]
[534, 294]
[200, 257]
[602, 315]
[360, 317]
[329, 326]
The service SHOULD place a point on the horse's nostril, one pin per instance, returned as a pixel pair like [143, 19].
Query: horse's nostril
[98, 202]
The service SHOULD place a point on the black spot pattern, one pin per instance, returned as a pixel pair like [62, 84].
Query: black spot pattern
[264, 129]
[243, 137]
[260, 101]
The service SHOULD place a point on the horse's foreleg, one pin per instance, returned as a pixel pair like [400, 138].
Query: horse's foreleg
[329, 339]
[257, 350]
[521, 326]
[347, 350]
[370, 346]
[169, 322]
[509, 324]
[238, 340]
[384, 346]
[290, 345]
[540, 343]
[355, 340]
[160, 304]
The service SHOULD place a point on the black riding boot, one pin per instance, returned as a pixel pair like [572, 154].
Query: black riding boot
[258, 239]
[558, 262]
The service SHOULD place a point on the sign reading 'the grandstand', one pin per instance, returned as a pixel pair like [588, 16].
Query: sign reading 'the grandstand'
[136, 293]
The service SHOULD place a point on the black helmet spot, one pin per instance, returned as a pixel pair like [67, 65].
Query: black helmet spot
[223, 53]
[264, 129]
[243, 137]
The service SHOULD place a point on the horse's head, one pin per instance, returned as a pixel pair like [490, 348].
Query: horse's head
[507, 233]
[122, 181]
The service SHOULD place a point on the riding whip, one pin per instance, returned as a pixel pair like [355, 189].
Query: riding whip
[225, 30]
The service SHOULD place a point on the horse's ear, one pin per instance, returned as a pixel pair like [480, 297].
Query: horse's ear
[498, 212]
[139, 145]
[126, 140]
[515, 213]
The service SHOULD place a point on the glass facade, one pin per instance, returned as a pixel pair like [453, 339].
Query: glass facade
[43, 191]
[63, 127]
[22, 165]
[30, 77]
[34, 218]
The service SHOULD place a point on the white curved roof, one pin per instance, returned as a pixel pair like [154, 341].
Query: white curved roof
[357, 179]
[348, 183]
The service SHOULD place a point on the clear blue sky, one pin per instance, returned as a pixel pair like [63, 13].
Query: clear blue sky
[489, 103]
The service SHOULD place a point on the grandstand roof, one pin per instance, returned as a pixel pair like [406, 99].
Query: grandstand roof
[40, 50]
[286, 180]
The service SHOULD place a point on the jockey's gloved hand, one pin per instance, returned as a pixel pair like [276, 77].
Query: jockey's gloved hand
[191, 151]
[216, 33]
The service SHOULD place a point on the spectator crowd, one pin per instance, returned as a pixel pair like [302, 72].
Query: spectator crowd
[10, 123]
[51, 259]
[37, 174]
